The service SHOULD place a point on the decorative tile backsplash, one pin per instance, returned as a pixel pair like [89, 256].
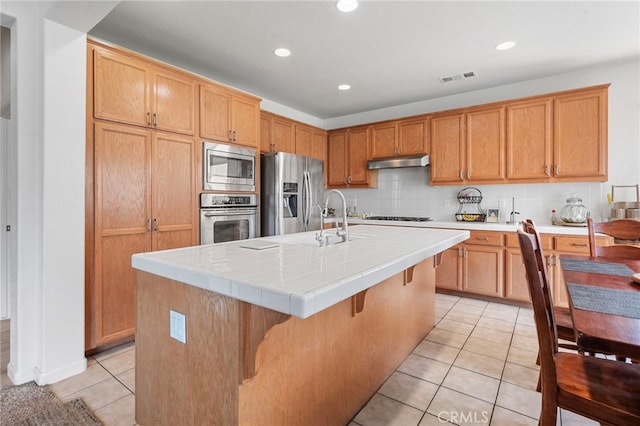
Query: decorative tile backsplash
[406, 192]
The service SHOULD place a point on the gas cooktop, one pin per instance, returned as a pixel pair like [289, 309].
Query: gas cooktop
[400, 218]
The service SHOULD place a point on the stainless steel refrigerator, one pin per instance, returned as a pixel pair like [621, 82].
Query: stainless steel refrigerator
[291, 188]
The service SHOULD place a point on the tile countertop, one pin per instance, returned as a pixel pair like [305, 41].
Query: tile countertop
[291, 273]
[471, 226]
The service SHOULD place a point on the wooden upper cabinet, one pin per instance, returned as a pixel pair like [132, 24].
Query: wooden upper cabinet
[358, 154]
[406, 137]
[529, 139]
[580, 135]
[337, 155]
[485, 145]
[384, 140]
[121, 88]
[228, 117]
[447, 148]
[311, 142]
[132, 91]
[175, 102]
[282, 135]
[245, 120]
[348, 152]
[265, 133]
[215, 113]
[319, 144]
[413, 136]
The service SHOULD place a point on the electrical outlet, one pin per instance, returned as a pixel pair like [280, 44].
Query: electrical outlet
[447, 204]
[178, 326]
[502, 203]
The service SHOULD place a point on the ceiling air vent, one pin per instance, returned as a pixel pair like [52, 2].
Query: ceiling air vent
[462, 76]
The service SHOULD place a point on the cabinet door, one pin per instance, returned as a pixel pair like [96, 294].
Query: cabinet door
[319, 142]
[516, 286]
[383, 140]
[529, 137]
[357, 156]
[282, 134]
[304, 142]
[121, 88]
[449, 272]
[447, 148]
[174, 218]
[122, 209]
[485, 145]
[175, 100]
[482, 270]
[337, 161]
[413, 137]
[245, 119]
[580, 135]
[556, 281]
[265, 134]
[215, 113]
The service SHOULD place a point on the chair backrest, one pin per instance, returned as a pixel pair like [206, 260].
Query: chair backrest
[542, 310]
[625, 232]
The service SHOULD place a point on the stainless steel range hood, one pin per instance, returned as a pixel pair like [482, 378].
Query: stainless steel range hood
[396, 162]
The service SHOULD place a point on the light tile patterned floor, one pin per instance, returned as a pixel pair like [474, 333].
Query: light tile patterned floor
[477, 366]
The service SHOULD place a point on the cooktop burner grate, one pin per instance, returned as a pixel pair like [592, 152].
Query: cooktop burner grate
[401, 218]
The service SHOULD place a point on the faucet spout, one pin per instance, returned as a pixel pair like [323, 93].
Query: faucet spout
[344, 233]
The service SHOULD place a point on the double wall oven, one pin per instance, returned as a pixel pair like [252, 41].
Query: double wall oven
[233, 215]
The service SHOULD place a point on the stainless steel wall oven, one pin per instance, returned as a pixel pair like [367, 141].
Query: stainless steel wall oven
[228, 217]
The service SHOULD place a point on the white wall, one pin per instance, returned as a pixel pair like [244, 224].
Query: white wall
[407, 192]
[47, 131]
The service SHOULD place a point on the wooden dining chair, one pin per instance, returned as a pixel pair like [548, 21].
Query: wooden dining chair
[626, 235]
[562, 316]
[598, 388]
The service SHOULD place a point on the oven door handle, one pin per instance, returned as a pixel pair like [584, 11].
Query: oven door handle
[226, 212]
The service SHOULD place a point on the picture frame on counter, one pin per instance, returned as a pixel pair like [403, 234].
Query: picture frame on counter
[493, 215]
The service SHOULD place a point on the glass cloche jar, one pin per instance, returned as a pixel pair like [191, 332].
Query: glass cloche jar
[574, 211]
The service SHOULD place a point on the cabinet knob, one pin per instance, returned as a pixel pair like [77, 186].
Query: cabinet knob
[155, 120]
[148, 119]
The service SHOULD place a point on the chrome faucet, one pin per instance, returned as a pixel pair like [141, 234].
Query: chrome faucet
[342, 233]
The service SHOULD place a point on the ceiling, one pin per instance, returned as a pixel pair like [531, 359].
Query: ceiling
[390, 52]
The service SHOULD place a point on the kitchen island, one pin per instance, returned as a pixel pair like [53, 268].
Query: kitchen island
[278, 330]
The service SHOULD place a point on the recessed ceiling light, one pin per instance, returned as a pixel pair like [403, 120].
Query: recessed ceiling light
[505, 45]
[347, 5]
[344, 87]
[282, 52]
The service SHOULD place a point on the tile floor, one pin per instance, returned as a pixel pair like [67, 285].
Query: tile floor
[477, 366]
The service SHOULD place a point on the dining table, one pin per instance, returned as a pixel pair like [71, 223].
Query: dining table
[605, 303]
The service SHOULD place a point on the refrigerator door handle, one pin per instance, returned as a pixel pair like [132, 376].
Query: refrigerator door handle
[306, 177]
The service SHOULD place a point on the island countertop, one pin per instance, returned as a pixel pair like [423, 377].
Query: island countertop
[291, 274]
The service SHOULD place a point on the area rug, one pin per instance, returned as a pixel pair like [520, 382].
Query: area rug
[33, 405]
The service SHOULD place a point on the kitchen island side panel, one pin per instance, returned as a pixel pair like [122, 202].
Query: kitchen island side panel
[192, 383]
[315, 371]
[323, 369]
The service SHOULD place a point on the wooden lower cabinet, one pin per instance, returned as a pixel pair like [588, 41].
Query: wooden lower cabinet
[144, 200]
[474, 266]
[490, 264]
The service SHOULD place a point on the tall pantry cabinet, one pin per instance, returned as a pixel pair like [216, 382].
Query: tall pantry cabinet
[141, 180]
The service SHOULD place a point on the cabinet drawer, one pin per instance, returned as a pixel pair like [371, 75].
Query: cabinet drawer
[485, 238]
[512, 241]
[572, 244]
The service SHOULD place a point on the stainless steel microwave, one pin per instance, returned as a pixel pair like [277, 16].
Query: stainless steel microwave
[228, 168]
